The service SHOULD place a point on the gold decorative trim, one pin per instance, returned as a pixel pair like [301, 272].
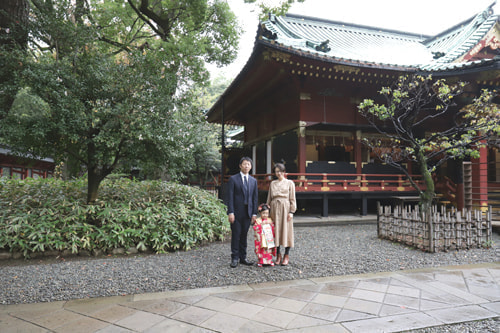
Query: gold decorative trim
[346, 69]
[276, 55]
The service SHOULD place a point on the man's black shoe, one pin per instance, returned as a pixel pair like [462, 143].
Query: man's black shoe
[246, 262]
[234, 263]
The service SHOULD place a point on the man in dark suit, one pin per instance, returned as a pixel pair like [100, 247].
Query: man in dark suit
[242, 205]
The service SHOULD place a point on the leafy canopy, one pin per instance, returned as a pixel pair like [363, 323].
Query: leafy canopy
[109, 83]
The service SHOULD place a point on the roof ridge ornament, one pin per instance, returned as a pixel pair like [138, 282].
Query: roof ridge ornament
[320, 47]
[268, 33]
[438, 54]
[459, 40]
[483, 16]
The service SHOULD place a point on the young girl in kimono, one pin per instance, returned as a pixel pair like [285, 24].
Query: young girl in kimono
[264, 237]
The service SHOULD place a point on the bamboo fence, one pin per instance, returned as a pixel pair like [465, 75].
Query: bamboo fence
[452, 229]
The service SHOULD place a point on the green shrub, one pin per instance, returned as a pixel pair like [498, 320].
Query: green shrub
[37, 215]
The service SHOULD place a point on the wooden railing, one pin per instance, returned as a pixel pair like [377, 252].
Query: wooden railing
[334, 182]
[446, 188]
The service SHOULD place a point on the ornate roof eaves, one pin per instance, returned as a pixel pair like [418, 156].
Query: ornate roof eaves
[463, 68]
[450, 69]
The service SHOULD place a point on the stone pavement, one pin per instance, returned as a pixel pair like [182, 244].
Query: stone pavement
[376, 302]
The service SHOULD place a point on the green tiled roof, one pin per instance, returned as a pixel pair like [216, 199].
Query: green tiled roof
[357, 43]
[457, 41]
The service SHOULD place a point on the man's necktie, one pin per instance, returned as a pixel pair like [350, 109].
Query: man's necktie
[245, 188]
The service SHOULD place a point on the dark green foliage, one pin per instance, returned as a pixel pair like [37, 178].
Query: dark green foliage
[107, 86]
[50, 214]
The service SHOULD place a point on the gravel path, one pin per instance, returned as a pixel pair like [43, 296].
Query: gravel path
[318, 252]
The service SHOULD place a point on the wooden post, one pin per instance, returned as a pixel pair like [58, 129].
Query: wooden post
[480, 179]
[302, 147]
[357, 152]
[325, 205]
[378, 218]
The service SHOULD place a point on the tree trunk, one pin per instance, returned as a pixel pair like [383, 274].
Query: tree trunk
[95, 174]
[13, 21]
[426, 197]
[93, 181]
[14, 34]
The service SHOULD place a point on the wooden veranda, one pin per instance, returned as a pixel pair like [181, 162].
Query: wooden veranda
[361, 187]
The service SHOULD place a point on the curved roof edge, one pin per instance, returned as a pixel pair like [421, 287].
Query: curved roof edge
[361, 26]
[488, 10]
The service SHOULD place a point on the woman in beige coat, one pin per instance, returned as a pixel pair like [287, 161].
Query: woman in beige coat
[281, 199]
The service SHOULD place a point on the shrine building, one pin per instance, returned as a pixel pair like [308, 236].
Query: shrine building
[22, 167]
[298, 95]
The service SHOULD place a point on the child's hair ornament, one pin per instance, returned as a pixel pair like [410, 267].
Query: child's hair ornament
[263, 207]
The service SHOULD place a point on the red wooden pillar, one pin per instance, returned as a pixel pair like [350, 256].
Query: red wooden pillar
[480, 179]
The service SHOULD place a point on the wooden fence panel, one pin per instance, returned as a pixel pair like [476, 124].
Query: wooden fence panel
[452, 229]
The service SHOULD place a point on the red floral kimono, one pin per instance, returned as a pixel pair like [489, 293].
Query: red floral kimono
[264, 241]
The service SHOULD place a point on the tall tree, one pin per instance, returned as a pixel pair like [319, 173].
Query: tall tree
[111, 81]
